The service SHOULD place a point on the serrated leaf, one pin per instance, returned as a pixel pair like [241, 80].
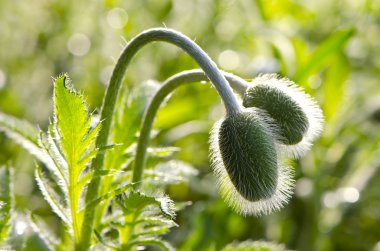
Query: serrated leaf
[73, 123]
[151, 241]
[76, 139]
[111, 194]
[136, 201]
[57, 165]
[156, 221]
[5, 201]
[51, 196]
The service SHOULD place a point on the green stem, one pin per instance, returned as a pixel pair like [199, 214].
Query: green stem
[168, 87]
[159, 34]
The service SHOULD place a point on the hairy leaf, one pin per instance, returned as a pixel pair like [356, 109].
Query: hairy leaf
[51, 196]
[76, 137]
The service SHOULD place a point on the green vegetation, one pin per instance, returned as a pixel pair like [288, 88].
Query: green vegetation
[328, 48]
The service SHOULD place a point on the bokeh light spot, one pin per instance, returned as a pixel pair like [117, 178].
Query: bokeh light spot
[229, 60]
[349, 194]
[304, 187]
[117, 18]
[79, 44]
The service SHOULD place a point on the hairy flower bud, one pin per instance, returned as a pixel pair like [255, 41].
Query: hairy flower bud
[245, 160]
[296, 115]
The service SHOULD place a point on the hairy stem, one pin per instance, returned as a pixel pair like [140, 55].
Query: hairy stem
[168, 87]
[159, 34]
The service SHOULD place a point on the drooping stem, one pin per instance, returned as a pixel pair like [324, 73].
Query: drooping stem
[159, 34]
[168, 87]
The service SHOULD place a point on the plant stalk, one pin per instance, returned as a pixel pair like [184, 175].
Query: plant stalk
[168, 87]
[108, 108]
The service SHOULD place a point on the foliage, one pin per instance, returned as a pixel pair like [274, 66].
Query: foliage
[330, 48]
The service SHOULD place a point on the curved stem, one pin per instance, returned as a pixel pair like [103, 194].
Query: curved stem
[168, 87]
[159, 34]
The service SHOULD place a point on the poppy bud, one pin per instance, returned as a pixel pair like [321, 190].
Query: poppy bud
[245, 160]
[295, 113]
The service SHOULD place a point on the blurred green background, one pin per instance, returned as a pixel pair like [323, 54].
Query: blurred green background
[331, 48]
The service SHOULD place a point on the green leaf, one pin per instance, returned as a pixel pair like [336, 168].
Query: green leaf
[334, 85]
[57, 164]
[127, 121]
[322, 53]
[170, 172]
[51, 196]
[73, 123]
[253, 246]
[162, 152]
[89, 176]
[43, 231]
[153, 230]
[24, 134]
[136, 201]
[76, 138]
[111, 194]
[6, 202]
[131, 106]
[151, 241]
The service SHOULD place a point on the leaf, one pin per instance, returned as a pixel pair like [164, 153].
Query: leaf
[76, 137]
[131, 106]
[6, 202]
[37, 144]
[43, 231]
[153, 230]
[89, 176]
[156, 221]
[57, 164]
[171, 172]
[136, 201]
[127, 120]
[51, 196]
[162, 152]
[73, 123]
[334, 85]
[151, 241]
[113, 193]
[24, 134]
[329, 47]
[253, 246]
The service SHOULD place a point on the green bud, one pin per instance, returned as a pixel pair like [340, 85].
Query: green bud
[249, 155]
[291, 119]
[296, 115]
[245, 160]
